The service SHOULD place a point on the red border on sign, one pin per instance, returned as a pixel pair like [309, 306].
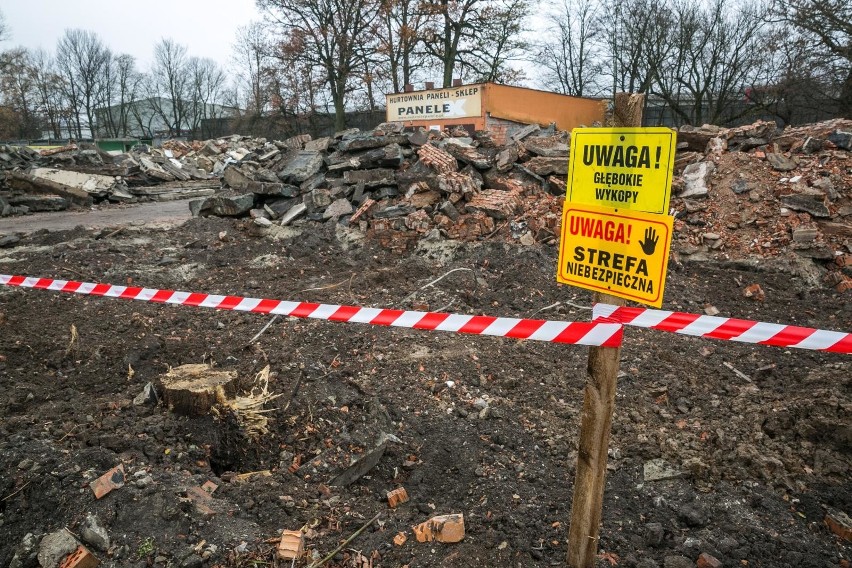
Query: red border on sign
[582, 284]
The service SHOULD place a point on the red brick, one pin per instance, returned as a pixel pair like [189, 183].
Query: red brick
[113, 479]
[443, 528]
[437, 159]
[80, 558]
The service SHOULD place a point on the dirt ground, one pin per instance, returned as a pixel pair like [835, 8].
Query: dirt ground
[481, 426]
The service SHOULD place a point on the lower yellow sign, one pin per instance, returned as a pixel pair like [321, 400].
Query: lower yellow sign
[618, 252]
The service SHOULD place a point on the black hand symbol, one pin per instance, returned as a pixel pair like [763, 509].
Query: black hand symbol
[649, 245]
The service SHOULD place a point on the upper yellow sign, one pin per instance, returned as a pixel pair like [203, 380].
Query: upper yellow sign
[623, 168]
[623, 253]
[458, 102]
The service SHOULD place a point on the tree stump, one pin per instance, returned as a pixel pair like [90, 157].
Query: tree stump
[194, 389]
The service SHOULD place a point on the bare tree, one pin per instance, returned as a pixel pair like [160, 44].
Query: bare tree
[251, 61]
[825, 28]
[19, 95]
[451, 22]
[48, 83]
[123, 86]
[399, 32]
[207, 82]
[4, 27]
[81, 59]
[569, 53]
[332, 35]
[168, 85]
[716, 56]
[497, 42]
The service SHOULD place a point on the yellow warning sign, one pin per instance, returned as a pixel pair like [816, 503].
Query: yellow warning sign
[622, 253]
[624, 168]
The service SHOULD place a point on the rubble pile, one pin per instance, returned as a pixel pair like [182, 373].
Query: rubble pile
[398, 184]
[757, 192]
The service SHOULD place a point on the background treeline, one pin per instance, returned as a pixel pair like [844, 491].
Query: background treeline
[319, 61]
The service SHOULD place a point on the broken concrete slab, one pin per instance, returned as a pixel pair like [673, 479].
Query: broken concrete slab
[294, 213]
[696, 179]
[659, 470]
[544, 166]
[37, 202]
[780, 162]
[30, 183]
[810, 201]
[223, 205]
[301, 166]
[338, 208]
[371, 178]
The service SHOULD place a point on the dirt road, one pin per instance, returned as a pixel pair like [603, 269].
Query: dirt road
[157, 214]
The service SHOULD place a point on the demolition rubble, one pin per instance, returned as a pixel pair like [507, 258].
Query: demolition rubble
[750, 192]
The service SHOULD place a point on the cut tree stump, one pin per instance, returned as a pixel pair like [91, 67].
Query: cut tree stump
[192, 389]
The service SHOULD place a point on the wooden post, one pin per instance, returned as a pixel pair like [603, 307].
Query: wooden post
[598, 406]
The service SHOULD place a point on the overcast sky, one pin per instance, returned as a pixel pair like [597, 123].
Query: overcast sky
[206, 27]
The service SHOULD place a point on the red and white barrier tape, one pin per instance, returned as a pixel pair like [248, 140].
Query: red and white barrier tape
[730, 329]
[577, 333]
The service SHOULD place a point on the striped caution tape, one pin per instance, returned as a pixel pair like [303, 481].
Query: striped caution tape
[577, 333]
[730, 329]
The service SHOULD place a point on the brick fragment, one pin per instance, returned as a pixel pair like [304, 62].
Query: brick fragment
[442, 528]
[755, 292]
[397, 497]
[400, 539]
[80, 558]
[845, 285]
[362, 210]
[840, 524]
[708, 561]
[457, 182]
[113, 479]
[467, 227]
[437, 159]
[495, 203]
[291, 545]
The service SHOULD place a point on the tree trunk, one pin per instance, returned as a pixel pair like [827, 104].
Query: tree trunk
[194, 389]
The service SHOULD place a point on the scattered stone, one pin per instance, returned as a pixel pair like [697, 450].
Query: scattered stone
[755, 292]
[442, 528]
[147, 396]
[654, 534]
[780, 162]
[658, 470]
[673, 561]
[92, 532]
[56, 546]
[812, 202]
[706, 560]
[840, 524]
[696, 179]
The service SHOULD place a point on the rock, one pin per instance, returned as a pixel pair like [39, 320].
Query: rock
[225, 205]
[658, 470]
[691, 515]
[91, 532]
[673, 561]
[192, 561]
[741, 186]
[841, 139]
[780, 162]
[294, 213]
[9, 240]
[339, 208]
[809, 201]
[696, 178]
[25, 554]
[301, 166]
[370, 178]
[812, 145]
[654, 534]
[547, 166]
[234, 178]
[147, 396]
[56, 546]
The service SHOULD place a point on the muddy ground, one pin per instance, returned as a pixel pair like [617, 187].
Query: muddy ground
[486, 427]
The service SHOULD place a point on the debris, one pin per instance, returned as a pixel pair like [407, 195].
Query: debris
[147, 396]
[56, 546]
[92, 532]
[442, 528]
[397, 497]
[696, 179]
[113, 479]
[755, 292]
[840, 524]
[344, 544]
[706, 560]
[400, 538]
[292, 545]
[659, 470]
